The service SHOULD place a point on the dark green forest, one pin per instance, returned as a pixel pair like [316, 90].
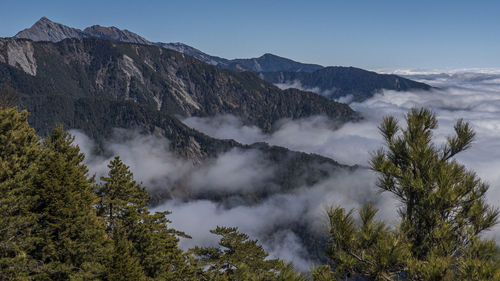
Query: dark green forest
[58, 222]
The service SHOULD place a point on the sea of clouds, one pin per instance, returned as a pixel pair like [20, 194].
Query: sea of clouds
[473, 95]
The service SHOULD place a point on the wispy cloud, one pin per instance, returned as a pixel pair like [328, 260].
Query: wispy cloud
[471, 94]
[284, 221]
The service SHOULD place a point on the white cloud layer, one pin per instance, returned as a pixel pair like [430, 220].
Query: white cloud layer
[278, 221]
[471, 94]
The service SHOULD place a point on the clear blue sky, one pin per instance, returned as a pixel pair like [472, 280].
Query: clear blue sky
[372, 34]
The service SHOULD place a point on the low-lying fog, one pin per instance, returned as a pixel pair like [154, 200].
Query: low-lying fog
[471, 95]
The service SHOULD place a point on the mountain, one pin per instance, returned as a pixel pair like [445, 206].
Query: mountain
[114, 34]
[271, 63]
[95, 85]
[332, 82]
[91, 81]
[154, 76]
[188, 50]
[77, 83]
[335, 82]
[47, 30]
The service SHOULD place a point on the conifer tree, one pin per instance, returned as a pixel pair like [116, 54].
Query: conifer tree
[241, 259]
[124, 266]
[122, 201]
[443, 212]
[70, 237]
[120, 197]
[19, 155]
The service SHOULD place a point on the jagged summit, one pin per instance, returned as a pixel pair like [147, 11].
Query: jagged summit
[115, 34]
[47, 30]
[332, 82]
[44, 19]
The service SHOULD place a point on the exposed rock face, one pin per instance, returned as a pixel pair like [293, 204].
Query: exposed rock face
[188, 50]
[51, 101]
[47, 30]
[97, 85]
[164, 79]
[127, 65]
[332, 82]
[20, 54]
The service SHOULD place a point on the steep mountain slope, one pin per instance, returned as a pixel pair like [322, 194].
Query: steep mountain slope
[336, 82]
[98, 116]
[153, 76]
[97, 85]
[188, 50]
[270, 63]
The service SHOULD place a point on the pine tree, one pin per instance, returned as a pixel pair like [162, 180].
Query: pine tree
[120, 197]
[122, 201]
[19, 154]
[124, 266]
[71, 241]
[241, 259]
[443, 212]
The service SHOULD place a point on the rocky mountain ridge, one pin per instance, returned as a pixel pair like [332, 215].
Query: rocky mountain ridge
[170, 81]
[333, 82]
[47, 30]
[97, 114]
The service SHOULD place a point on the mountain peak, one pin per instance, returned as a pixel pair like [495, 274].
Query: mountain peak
[115, 34]
[269, 55]
[45, 24]
[270, 63]
[47, 30]
[43, 19]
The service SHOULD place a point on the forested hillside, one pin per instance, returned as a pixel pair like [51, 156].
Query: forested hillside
[336, 82]
[169, 81]
[59, 224]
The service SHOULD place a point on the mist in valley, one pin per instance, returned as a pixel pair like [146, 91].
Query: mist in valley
[282, 220]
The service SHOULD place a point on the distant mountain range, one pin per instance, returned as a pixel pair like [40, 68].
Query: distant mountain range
[96, 85]
[166, 80]
[101, 78]
[336, 82]
[333, 82]
[270, 63]
[47, 30]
